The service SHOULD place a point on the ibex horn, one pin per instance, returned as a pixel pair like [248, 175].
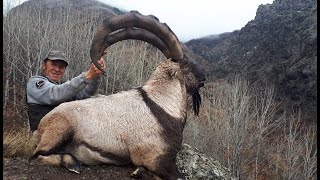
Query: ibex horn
[138, 34]
[161, 31]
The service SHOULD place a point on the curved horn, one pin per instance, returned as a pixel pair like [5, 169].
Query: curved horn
[135, 19]
[138, 34]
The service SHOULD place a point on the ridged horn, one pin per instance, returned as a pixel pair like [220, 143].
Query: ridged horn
[138, 34]
[135, 19]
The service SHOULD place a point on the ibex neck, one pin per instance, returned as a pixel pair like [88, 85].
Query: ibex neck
[171, 96]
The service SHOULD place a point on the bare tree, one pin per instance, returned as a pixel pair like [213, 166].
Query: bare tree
[30, 32]
[309, 153]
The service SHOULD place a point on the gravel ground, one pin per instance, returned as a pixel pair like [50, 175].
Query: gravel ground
[19, 169]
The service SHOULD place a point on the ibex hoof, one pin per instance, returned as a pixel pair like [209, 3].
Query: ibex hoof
[138, 173]
[71, 163]
[75, 168]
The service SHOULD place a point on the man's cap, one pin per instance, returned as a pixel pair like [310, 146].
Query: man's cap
[56, 55]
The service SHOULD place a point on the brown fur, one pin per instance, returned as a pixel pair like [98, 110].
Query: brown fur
[52, 160]
[52, 133]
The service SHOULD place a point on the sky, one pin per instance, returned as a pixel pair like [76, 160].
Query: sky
[191, 19]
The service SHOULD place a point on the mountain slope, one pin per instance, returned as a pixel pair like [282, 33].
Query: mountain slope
[279, 47]
[83, 5]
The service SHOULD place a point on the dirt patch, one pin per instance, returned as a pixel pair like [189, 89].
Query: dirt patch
[19, 169]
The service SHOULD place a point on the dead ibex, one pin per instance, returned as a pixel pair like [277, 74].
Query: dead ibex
[142, 126]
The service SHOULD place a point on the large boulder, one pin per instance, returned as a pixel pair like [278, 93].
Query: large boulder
[196, 165]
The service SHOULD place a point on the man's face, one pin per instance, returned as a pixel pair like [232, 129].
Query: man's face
[54, 69]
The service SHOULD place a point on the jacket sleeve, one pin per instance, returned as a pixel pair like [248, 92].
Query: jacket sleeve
[90, 89]
[42, 91]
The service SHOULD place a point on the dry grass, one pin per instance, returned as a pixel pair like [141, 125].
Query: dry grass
[17, 143]
[240, 127]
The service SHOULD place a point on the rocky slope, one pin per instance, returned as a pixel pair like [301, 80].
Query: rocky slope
[278, 47]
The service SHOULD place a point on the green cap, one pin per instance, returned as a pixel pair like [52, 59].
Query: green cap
[56, 55]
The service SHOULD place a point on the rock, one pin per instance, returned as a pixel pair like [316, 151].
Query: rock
[195, 165]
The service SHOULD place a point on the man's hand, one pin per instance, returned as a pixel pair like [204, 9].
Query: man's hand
[94, 71]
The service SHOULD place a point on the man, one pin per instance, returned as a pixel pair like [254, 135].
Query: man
[46, 91]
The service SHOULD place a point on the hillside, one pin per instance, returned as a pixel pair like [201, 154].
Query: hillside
[83, 6]
[279, 46]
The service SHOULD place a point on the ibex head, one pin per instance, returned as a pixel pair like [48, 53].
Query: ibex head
[134, 25]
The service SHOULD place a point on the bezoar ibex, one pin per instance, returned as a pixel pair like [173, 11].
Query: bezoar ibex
[143, 125]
